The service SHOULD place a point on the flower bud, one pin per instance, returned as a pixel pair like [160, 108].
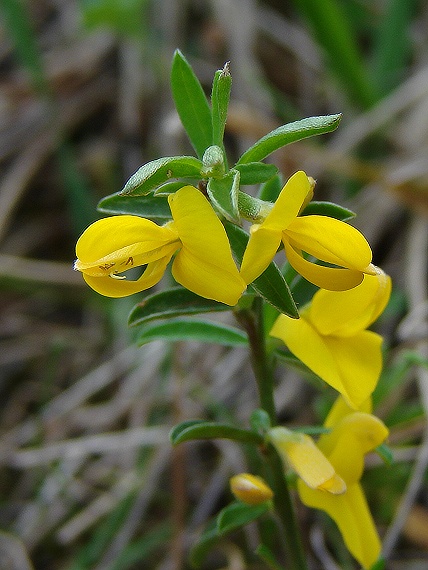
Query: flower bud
[250, 489]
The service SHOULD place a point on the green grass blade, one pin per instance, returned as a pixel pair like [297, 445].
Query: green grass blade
[392, 44]
[18, 26]
[333, 33]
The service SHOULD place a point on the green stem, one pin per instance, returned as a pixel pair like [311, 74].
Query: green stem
[253, 322]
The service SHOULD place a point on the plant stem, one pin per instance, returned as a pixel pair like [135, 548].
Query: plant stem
[253, 322]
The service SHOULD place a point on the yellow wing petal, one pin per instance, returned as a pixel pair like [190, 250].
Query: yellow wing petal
[115, 239]
[111, 287]
[330, 278]
[330, 240]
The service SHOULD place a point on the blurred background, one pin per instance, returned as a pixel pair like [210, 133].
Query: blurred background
[88, 476]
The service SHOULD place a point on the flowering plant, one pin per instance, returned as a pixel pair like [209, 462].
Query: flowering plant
[190, 210]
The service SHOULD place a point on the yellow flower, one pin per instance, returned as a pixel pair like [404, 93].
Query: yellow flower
[330, 336]
[203, 262]
[329, 240]
[353, 435]
[250, 489]
[298, 451]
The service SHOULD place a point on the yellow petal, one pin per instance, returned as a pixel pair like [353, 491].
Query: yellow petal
[265, 238]
[250, 489]
[351, 514]
[340, 409]
[260, 251]
[204, 264]
[358, 363]
[330, 240]
[207, 280]
[289, 202]
[350, 440]
[299, 451]
[344, 313]
[310, 347]
[111, 287]
[330, 278]
[118, 243]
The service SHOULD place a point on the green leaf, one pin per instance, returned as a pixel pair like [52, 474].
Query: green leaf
[172, 303]
[171, 187]
[256, 172]
[151, 207]
[223, 193]
[236, 515]
[271, 189]
[329, 209]
[205, 543]
[198, 330]
[156, 172]
[191, 103]
[201, 429]
[287, 134]
[385, 452]
[220, 96]
[268, 557]
[271, 284]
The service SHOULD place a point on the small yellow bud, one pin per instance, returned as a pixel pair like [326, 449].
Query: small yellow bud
[250, 489]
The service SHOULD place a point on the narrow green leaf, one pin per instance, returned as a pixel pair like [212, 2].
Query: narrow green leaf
[220, 96]
[173, 302]
[191, 103]
[385, 452]
[223, 193]
[161, 170]
[171, 187]
[198, 330]
[287, 134]
[271, 284]
[268, 557]
[201, 429]
[271, 189]
[329, 209]
[205, 543]
[237, 515]
[256, 172]
[151, 207]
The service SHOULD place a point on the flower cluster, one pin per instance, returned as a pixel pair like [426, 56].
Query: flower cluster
[203, 262]
[330, 336]
[330, 472]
